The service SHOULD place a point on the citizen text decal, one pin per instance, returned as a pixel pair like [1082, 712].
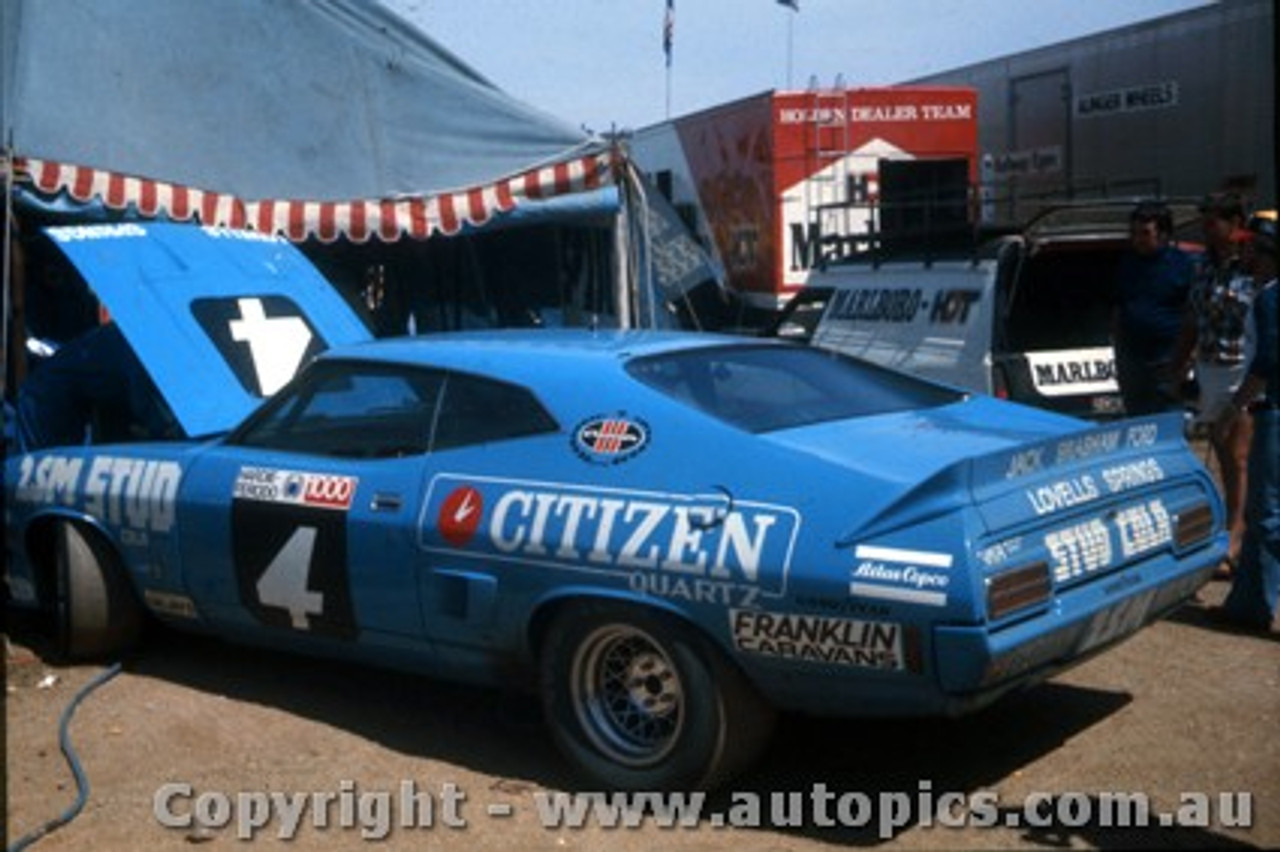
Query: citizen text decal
[692, 536]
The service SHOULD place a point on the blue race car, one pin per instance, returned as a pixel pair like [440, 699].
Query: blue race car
[669, 537]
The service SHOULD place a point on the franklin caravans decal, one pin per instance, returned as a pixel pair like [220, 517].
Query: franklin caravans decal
[607, 439]
[819, 639]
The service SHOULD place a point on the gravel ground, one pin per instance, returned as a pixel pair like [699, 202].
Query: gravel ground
[1180, 708]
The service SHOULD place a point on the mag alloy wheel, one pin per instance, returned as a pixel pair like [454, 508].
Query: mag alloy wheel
[639, 699]
[628, 695]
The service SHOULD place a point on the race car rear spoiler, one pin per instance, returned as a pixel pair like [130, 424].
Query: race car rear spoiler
[1013, 486]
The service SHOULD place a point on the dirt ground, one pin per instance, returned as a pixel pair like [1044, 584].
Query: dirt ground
[1180, 708]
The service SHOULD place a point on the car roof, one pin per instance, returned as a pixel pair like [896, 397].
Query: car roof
[526, 354]
[1101, 219]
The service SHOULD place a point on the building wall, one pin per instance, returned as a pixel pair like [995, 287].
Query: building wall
[1177, 106]
[776, 180]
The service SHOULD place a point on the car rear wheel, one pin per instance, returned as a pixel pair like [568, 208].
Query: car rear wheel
[638, 700]
[98, 614]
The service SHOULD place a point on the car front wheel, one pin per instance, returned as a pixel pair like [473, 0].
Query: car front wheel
[638, 700]
[98, 614]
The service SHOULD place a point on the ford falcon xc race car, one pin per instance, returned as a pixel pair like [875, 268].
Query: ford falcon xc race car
[669, 537]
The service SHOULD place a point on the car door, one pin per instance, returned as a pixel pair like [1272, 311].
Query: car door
[488, 432]
[302, 523]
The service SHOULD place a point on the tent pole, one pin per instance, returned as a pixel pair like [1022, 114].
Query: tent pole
[6, 261]
[624, 276]
[621, 264]
[644, 277]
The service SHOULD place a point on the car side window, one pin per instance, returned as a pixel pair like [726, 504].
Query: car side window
[350, 411]
[476, 410]
[799, 319]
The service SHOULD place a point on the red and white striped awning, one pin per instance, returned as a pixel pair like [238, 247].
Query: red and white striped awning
[357, 220]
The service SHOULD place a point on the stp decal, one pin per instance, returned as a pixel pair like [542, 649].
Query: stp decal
[297, 488]
[610, 439]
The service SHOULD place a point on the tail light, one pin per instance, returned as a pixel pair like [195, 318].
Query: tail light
[1192, 526]
[1018, 588]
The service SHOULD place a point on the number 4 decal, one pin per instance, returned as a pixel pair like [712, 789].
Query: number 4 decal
[291, 566]
[284, 583]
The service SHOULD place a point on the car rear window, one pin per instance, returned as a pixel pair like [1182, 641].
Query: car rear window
[766, 388]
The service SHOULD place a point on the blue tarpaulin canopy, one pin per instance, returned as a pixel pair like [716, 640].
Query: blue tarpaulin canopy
[320, 118]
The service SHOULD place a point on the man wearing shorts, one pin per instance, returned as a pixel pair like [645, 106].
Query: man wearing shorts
[1252, 601]
[1214, 332]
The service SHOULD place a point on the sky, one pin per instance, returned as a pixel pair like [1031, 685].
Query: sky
[599, 64]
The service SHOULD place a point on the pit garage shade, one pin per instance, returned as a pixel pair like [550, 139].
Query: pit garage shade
[357, 220]
[320, 118]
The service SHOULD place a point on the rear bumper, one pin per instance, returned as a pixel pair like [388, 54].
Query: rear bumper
[973, 661]
[970, 667]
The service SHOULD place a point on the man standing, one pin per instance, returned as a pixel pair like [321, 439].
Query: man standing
[1213, 333]
[1251, 603]
[1152, 284]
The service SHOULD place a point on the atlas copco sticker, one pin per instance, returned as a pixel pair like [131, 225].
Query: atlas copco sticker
[901, 575]
[610, 439]
[297, 488]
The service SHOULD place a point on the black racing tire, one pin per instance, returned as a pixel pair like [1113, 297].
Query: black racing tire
[638, 700]
[97, 611]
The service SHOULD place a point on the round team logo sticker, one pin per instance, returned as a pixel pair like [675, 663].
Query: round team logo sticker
[610, 439]
[460, 515]
[293, 484]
